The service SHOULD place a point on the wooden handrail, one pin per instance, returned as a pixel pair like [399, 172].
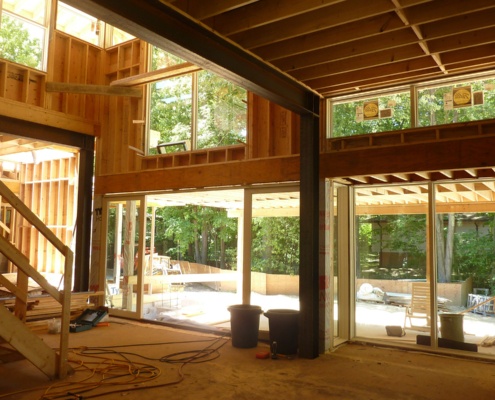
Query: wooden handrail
[21, 261]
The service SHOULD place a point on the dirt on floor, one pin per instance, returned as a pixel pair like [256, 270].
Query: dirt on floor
[130, 360]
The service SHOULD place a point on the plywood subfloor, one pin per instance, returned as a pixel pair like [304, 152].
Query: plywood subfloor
[352, 372]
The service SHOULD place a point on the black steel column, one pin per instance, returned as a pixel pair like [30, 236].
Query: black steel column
[83, 218]
[309, 243]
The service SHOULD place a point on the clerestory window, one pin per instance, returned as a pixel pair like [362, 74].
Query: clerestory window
[76, 23]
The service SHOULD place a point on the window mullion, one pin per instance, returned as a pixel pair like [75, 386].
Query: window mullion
[194, 111]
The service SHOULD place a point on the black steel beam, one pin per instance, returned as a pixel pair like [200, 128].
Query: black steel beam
[84, 218]
[165, 27]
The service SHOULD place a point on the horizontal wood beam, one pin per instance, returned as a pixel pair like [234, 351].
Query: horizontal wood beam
[155, 76]
[24, 114]
[93, 89]
[473, 152]
[279, 169]
[442, 208]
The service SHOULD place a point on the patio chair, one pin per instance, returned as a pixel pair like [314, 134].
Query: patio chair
[419, 309]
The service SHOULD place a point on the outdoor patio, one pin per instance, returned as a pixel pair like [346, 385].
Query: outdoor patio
[201, 307]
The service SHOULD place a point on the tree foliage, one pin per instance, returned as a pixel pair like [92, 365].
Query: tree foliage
[197, 234]
[220, 118]
[222, 112]
[17, 45]
[344, 121]
[465, 247]
[275, 247]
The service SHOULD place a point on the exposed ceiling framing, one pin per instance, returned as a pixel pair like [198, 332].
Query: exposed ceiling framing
[339, 47]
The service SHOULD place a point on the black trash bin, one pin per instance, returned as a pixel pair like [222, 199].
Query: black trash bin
[284, 330]
[244, 325]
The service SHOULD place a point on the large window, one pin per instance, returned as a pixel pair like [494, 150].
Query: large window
[199, 108]
[23, 32]
[457, 102]
[170, 111]
[440, 102]
[377, 114]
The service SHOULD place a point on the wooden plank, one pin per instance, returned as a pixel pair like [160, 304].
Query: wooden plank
[22, 263]
[275, 169]
[27, 343]
[472, 152]
[18, 110]
[93, 89]
[158, 75]
[44, 306]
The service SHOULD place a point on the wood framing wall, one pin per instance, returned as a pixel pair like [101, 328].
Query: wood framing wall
[67, 96]
[74, 61]
[272, 130]
[49, 189]
[123, 118]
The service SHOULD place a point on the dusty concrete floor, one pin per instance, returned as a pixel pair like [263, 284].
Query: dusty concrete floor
[162, 362]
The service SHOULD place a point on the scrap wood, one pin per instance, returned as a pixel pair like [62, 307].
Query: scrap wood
[488, 341]
[44, 307]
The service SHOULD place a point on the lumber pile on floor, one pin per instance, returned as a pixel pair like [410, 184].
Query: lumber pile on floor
[43, 307]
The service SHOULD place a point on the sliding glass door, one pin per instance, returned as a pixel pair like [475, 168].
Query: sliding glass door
[124, 231]
[424, 268]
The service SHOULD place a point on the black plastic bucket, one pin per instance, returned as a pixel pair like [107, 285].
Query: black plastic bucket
[244, 325]
[284, 330]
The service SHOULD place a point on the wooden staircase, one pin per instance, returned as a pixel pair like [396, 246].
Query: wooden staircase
[13, 329]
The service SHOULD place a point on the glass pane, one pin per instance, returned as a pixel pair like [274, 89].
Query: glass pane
[335, 267]
[21, 41]
[162, 59]
[391, 240]
[383, 113]
[439, 105]
[274, 257]
[190, 275]
[465, 259]
[122, 252]
[222, 112]
[79, 24]
[33, 10]
[171, 112]
[116, 36]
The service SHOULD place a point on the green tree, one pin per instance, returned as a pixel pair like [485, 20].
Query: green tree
[201, 234]
[222, 112]
[403, 234]
[474, 250]
[16, 44]
[445, 246]
[171, 109]
[344, 116]
[432, 110]
[275, 245]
